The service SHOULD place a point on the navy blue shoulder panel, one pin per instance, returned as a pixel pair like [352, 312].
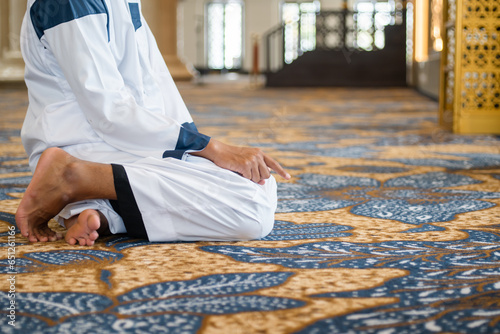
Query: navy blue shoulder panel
[189, 139]
[135, 13]
[46, 14]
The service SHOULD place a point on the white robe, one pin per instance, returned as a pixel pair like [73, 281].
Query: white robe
[99, 88]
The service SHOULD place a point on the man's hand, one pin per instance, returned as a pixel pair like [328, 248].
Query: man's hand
[249, 162]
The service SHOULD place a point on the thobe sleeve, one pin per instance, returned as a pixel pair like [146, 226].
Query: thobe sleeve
[77, 33]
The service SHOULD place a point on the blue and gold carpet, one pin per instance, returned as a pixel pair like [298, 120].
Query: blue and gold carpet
[389, 225]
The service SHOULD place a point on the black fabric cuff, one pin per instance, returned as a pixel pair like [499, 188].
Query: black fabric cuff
[189, 140]
[126, 205]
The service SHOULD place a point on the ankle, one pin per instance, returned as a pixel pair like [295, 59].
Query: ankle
[72, 180]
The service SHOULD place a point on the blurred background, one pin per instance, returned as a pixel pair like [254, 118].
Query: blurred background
[447, 50]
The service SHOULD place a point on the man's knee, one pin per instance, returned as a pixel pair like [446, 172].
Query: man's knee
[254, 228]
[267, 225]
[259, 224]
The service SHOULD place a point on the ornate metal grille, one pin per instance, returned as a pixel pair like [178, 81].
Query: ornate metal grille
[332, 30]
[470, 86]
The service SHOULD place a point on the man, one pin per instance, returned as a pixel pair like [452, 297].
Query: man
[112, 144]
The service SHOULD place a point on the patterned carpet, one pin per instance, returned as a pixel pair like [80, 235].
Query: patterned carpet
[389, 225]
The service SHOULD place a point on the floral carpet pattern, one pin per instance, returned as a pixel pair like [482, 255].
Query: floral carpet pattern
[388, 225]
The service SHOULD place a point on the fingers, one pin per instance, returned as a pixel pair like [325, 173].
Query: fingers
[261, 169]
[246, 172]
[251, 163]
[264, 173]
[274, 165]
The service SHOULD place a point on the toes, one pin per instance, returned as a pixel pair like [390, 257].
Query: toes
[83, 241]
[84, 230]
[31, 235]
[93, 236]
[22, 223]
[41, 237]
[43, 233]
[70, 240]
[93, 220]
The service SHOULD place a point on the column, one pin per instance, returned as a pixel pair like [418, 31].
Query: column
[11, 62]
[161, 16]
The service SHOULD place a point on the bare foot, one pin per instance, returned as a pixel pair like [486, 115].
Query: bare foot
[60, 179]
[46, 196]
[85, 228]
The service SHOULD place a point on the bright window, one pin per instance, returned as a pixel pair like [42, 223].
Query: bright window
[299, 19]
[224, 28]
[371, 19]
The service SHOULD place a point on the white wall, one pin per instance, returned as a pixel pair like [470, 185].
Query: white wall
[331, 4]
[260, 17]
[191, 31]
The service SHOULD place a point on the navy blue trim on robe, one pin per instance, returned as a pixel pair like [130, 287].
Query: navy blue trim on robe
[135, 13]
[126, 205]
[46, 14]
[189, 139]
